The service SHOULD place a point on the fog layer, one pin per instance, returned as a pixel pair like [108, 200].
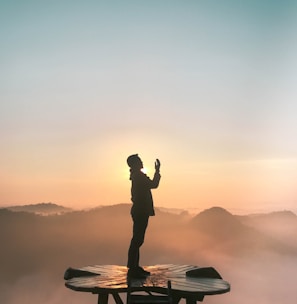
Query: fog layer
[259, 263]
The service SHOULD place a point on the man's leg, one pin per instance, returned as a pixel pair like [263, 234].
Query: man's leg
[139, 227]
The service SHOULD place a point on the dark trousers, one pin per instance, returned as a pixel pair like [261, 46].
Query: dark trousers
[140, 223]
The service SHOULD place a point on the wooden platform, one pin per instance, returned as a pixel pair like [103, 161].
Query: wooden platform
[112, 279]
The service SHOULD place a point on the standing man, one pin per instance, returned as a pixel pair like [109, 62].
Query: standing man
[142, 209]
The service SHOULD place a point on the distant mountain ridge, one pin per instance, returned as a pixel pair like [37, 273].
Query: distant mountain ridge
[102, 235]
[213, 228]
[41, 208]
[52, 208]
[34, 243]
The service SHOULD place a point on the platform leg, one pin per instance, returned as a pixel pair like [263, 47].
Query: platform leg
[102, 298]
[190, 301]
[193, 300]
[175, 299]
[117, 298]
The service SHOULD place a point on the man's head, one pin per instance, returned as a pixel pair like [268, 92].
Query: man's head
[134, 162]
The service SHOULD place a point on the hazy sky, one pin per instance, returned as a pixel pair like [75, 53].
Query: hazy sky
[209, 87]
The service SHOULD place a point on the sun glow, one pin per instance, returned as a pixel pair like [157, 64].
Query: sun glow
[144, 170]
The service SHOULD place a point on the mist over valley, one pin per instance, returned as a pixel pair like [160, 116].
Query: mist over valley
[257, 254]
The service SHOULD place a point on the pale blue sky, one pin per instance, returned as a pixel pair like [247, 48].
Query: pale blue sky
[195, 81]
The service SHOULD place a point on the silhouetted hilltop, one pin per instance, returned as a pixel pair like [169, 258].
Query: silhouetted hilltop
[42, 208]
[217, 221]
[230, 233]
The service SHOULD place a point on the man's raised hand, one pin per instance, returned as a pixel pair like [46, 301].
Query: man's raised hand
[157, 165]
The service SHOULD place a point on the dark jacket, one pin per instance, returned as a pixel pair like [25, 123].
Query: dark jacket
[141, 193]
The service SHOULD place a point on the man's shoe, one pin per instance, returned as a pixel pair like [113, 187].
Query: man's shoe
[143, 271]
[136, 273]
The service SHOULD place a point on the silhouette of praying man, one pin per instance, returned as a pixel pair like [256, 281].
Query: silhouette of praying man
[142, 208]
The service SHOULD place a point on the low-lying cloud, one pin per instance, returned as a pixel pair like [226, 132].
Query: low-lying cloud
[36, 251]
